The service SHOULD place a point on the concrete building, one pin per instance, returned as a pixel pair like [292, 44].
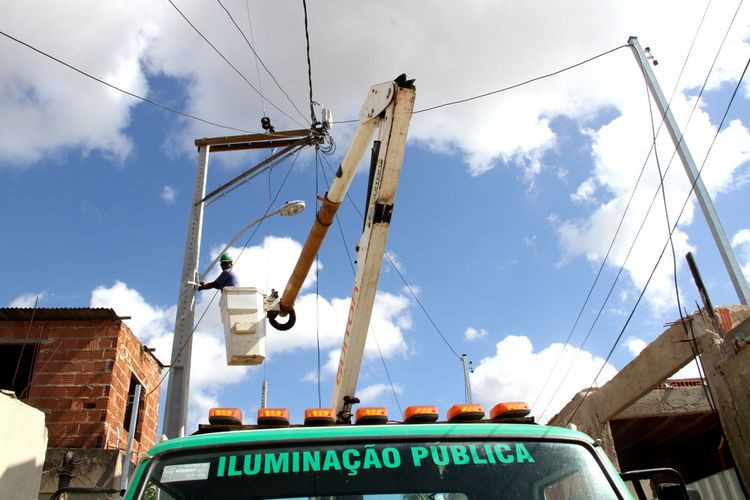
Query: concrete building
[24, 442]
[80, 367]
[643, 420]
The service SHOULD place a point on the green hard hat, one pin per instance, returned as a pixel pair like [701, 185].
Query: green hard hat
[225, 257]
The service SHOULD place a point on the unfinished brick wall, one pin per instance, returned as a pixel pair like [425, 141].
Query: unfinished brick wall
[81, 377]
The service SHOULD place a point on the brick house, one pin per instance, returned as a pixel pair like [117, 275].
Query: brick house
[80, 366]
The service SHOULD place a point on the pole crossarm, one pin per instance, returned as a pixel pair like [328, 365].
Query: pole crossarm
[253, 141]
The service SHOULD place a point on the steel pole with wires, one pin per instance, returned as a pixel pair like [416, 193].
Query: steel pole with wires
[178, 387]
[701, 193]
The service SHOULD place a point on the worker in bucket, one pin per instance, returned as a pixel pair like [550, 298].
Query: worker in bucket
[226, 278]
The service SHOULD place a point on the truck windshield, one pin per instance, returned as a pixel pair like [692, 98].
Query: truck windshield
[403, 470]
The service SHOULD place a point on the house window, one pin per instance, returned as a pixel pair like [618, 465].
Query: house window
[17, 367]
[129, 407]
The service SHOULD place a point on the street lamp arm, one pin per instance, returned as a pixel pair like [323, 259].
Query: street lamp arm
[289, 208]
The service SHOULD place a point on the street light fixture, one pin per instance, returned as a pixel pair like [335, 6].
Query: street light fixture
[289, 208]
[178, 386]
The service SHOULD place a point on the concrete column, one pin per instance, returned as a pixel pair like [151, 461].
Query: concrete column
[727, 364]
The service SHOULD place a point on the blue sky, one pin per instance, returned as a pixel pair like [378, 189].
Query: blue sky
[505, 209]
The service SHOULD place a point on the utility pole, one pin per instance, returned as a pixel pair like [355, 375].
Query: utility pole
[467, 381]
[176, 407]
[709, 211]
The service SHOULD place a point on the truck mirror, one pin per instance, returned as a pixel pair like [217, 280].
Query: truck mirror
[673, 488]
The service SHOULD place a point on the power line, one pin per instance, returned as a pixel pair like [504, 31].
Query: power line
[118, 89]
[511, 87]
[230, 64]
[652, 149]
[414, 295]
[671, 231]
[258, 58]
[257, 69]
[309, 66]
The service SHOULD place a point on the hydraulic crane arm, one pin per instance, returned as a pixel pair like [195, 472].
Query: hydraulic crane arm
[377, 111]
[371, 247]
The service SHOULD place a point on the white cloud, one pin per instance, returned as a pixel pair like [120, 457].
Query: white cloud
[154, 325]
[269, 267]
[635, 345]
[149, 323]
[168, 195]
[28, 299]
[471, 334]
[617, 165]
[517, 373]
[143, 39]
[376, 394]
[585, 192]
[690, 370]
[392, 259]
[741, 243]
[42, 99]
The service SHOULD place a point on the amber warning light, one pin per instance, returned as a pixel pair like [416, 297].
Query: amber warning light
[421, 414]
[503, 411]
[320, 416]
[371, 415]
[225, 416]
[465, 413]
[273, 416]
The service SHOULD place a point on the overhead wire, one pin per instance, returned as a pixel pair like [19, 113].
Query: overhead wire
[309, 66]
[411, 291]
[255, 58]
[230, 64]
[354, 273]
[671, 231]
[258, 58]
[510, 87]
[118, 89]
[625, 211]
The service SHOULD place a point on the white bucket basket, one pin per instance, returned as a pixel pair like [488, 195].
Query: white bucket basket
[244, 325]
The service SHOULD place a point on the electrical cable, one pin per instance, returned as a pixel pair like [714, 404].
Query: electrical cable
[411, 291]
[673, 228]
[309, 66]
[510, 87]
[230, 64]
[118, 89]
[370, 328]
[258, 58]
[257, 69]
[652, 149]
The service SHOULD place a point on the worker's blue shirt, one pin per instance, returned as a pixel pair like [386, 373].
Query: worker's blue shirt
[226, 278]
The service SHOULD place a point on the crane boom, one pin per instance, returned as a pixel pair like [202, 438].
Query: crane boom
[389, 107]
[371, 247]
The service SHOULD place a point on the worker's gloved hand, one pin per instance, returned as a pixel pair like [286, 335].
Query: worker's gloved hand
[201, 282]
